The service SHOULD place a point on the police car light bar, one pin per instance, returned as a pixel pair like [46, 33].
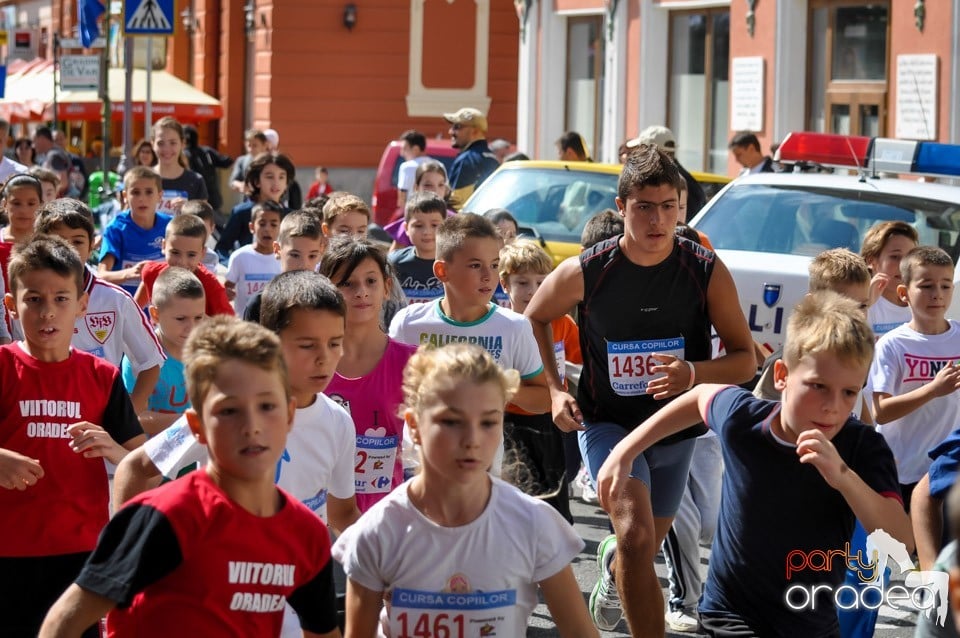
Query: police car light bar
[937, 159]
[919, 158]
[825, 149]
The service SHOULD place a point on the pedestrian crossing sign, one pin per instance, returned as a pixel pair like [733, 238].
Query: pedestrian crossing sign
[148, 17]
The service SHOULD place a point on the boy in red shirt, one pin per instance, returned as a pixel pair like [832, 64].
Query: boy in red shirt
[184, 245]
[53, 398]
[218, 551]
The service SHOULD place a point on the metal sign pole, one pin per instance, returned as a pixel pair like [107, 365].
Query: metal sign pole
[148, 106]
[56, 66]
[105, 98]
[128, 99]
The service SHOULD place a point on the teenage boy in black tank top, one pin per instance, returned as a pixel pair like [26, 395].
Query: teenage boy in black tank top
[646, 302]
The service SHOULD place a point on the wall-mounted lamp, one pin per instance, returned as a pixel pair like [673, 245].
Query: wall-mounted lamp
[249, 19]
[350, 16]
[751, 16]
[611, 16]
[189, 22]
[523, 8]
[919, 15]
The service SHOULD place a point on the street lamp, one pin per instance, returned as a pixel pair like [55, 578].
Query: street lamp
[189, 22]
[350, 16]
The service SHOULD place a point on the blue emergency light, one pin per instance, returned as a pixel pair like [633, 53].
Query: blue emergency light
[937, 159]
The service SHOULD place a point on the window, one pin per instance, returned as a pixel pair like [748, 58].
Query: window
[699, 77]
[848, 78]
[585, 74]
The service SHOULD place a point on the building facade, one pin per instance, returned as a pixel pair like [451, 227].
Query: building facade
[708, 68]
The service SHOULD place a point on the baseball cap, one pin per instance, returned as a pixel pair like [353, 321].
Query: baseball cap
[659, 135]
[469, 116]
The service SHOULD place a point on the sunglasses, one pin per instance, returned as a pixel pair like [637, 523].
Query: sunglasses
[457, 127]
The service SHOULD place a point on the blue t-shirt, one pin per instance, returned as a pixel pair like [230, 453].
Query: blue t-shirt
[415, 275]
[130, 244]
[170, 393]
[946, 463]
[773, 506]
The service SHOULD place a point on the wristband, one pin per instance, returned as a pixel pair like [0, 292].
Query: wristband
[693, 375]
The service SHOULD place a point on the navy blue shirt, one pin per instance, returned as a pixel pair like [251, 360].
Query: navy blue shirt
[474, 164]
[772, 505]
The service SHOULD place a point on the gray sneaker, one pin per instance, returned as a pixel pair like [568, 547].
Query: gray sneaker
[604, 600]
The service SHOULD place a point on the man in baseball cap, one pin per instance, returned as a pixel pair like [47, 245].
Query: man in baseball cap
[468, 132]
[664, 138]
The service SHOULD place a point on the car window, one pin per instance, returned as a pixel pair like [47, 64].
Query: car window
[558, 203]
[808, 220]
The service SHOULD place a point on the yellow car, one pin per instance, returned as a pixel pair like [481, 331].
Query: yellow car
[553, 200]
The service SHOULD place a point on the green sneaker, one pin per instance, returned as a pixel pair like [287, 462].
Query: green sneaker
[604, 600]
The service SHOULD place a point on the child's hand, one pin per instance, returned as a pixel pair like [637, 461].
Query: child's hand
[133, 272]
[566, 412]
[18, 472]
[675, 379]
[176, 204]
[612, 478]
[814, 448]
[93, 441]
[878, 283]
[946, 381]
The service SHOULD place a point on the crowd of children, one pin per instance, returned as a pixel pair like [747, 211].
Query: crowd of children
[390, 397]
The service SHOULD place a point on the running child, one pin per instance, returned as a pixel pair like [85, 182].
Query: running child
[62, 412]
[203, 210]
[113, 326]
[485, 564]
[177, 308]
[267, 179]
[345, 214]
[299, 247]
[797, 474]
[414, 264]
[179, 183]
[221, 551]
[49, 182]
[183, 247]
[533, 438]
[368, 380]
[252, 266]
[431, 177]
[884, 247]
[134, 236]
[20, 197]
[916, 373]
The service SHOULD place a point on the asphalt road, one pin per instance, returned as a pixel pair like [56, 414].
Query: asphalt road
[591, 523]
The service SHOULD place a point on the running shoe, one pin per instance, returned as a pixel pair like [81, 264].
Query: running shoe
[680, 621]
[587, 493]
[604, 600]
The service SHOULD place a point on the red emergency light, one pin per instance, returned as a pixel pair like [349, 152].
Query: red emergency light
[824, 149]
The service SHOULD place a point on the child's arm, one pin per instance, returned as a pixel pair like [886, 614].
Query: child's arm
[686, 410]
[143, 387]
[74, 612]
[565, 602]
[926, 515]
[18, 472]
[135, 474]
[873, 510]
[141, 296]
[889, 408]
[93, 441]
[342, 512]
[363, 610]
[533, 395]
[105, 270]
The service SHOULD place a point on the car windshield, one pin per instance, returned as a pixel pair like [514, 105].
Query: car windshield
[808, 220]
[557, 203]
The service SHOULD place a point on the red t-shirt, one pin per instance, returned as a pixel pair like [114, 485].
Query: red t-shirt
[65, 511]
[213, 290]
[185, 556]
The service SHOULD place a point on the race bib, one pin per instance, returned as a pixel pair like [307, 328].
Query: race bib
[561, 355]
[167, 199]
[629, 363]
[376, 456]
[424, 614]
[255, 282]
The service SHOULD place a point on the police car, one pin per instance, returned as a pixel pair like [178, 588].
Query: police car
[767, 227]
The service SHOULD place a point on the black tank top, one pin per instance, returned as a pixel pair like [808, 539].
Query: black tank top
[629, 312]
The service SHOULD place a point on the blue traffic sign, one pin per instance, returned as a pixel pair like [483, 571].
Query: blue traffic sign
[148, 17]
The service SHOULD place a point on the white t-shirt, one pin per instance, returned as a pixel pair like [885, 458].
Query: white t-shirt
[505, 334]
[318, 458]
[477, 579]
[906, 360]
[251, 272]
[885, 315]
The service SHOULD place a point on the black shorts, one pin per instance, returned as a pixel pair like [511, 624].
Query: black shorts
[28, 588]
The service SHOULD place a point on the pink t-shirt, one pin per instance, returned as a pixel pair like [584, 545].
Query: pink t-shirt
[373, 402]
